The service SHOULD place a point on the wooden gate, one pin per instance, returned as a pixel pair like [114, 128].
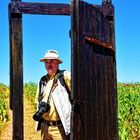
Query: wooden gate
[94, 86]
[94, 115]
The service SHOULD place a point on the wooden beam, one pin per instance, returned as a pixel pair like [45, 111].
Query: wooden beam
[40, 8]
[16, 74]
[15, 0]
[105, 2]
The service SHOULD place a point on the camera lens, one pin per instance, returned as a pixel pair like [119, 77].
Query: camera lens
[44, 107]
[36, 116]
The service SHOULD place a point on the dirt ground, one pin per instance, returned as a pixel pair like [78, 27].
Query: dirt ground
[29, 125]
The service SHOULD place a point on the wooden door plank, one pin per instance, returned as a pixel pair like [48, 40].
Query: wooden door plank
[93, 74]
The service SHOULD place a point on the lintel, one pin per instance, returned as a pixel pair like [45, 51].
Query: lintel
[39, 8]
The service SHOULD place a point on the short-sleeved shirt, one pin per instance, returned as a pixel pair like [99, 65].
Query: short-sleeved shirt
[52, 114]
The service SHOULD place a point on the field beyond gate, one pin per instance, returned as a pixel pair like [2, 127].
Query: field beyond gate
[128, 112]
[29, 123]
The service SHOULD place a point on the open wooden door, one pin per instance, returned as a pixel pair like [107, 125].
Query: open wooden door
[94, 85]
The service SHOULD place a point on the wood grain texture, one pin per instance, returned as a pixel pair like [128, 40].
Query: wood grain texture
[40, 8]
[93, 75]
[16, 74]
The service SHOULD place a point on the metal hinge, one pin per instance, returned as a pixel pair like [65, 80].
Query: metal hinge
[100, 43]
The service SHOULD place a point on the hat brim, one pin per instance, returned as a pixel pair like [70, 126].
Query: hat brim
[45, 59]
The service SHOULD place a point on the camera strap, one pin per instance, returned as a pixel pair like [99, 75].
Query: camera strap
[54, 84]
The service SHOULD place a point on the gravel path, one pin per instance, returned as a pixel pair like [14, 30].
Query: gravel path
[29, 125]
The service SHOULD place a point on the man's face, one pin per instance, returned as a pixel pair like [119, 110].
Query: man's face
[51, 66]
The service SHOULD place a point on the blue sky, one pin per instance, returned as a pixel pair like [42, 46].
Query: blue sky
[41, 32]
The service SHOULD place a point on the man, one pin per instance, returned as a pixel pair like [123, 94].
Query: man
[55, 115]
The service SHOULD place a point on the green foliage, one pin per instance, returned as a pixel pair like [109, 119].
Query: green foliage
[4, 93]
[129, 111]
[128, 107]
[30, 91]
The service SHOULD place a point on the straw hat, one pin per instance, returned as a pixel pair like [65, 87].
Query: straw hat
[51, 54]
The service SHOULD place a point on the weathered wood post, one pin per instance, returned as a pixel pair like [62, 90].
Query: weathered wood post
[94, 84]
[16, 74]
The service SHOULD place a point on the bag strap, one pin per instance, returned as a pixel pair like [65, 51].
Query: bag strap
[59, 75]
[54, 84]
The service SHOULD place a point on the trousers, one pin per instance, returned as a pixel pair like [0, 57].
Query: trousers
[53, 132]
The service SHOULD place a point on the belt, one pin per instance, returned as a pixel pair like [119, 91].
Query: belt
[52, 123]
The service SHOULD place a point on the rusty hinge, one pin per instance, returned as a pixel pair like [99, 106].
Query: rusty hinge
[100, 43]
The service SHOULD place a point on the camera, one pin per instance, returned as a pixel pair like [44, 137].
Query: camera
[43, 107]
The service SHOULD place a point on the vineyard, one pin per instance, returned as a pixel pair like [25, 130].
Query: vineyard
[129, 111]
[4, 94]
[128, 108]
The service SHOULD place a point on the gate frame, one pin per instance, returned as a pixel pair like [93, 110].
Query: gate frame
[16, 9]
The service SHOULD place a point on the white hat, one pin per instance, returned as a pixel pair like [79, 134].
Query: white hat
[51, 54]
